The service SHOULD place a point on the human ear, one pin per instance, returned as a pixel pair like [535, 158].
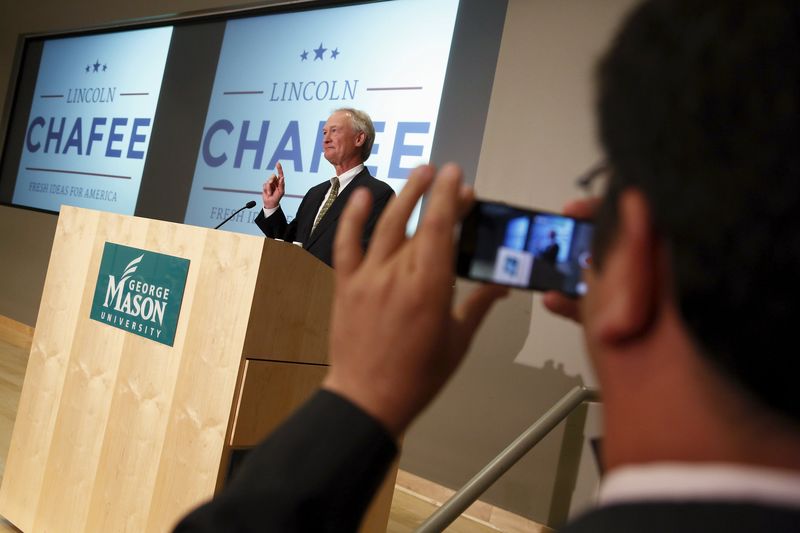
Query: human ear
[626, 289]
[361, 138]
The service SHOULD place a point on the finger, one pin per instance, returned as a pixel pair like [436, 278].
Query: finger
[390, 231]
[582, 208]
[561, 305]
[435, 233]
[466, 197]
[279, 168]
[469, 314]
[347, 252]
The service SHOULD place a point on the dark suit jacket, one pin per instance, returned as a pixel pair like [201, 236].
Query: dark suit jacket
[319, 470]
[316, 473]
[320, 244]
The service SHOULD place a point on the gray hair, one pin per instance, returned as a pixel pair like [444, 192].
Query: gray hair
[361, 124]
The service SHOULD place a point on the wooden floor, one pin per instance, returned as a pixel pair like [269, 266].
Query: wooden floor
[12, 371]
[407, 511]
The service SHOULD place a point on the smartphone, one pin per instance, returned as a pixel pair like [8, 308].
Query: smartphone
[524, 248]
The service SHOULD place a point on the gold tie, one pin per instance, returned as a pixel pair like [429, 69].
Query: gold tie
[328, 202]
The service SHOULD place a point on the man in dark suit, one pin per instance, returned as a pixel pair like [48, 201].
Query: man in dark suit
[689, 318]
[348, 136]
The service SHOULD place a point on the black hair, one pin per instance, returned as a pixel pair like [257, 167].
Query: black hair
[699, 106]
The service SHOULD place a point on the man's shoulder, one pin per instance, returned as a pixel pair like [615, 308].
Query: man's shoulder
[377, 186]
[324, 185]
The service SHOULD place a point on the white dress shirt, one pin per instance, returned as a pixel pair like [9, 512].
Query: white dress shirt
[699, 482]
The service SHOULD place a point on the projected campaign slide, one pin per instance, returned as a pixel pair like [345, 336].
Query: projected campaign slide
[278, 79]
[91, 119]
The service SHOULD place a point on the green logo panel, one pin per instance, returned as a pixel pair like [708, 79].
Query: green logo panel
[140, 292]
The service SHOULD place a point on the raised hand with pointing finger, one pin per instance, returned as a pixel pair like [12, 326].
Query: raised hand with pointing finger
[274, 189]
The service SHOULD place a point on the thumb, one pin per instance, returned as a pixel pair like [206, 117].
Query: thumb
[469, 314]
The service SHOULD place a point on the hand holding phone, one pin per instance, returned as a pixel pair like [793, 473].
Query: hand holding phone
[524, 248]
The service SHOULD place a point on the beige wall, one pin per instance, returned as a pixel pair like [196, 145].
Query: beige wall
[539, 136]
[25, 241]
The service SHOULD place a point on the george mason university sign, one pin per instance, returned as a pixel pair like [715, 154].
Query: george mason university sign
[140, 292]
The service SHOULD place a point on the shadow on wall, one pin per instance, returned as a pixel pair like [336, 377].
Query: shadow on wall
[489, 402]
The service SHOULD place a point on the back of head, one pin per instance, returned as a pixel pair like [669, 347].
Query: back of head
[699, 105]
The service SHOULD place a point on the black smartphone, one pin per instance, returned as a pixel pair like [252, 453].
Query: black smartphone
[523, 248]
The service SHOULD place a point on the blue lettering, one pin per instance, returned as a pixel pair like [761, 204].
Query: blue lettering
[93, 135]
[313, 90]
[401, 149]
[294, 91]
[379, 127]
[350, 90]
[211, 160]
[323, 85]
[54, 135]
[38, 121]
[118, 134]
[75, 138]
[113, 136]
[318, 151]
[246, 144]
[409, 143]
[137, 138]
[306, 97]
[282, 153]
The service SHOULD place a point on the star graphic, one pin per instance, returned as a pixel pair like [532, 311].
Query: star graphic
[318, 52]
[96, 65]
[104, 68]
[304, 55]
[88, 68]
[335, 52]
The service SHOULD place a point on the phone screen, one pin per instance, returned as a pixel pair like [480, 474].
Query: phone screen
[523, 248]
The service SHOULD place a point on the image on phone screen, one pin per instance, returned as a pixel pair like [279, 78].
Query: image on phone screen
[523, 248]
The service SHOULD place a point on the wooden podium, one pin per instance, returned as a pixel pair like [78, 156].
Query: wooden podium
[117, 432]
